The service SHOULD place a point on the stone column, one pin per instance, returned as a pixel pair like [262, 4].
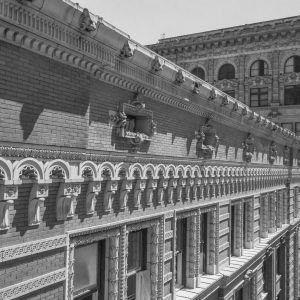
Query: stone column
[296, 263]
[113, 269]
[123, 263]
[264, 216]
[238, 230]
[160, 285]
[286, 204]
[70, 279]
[154, 255]
[249, 238]
[283, 268]
[192, 261]
[211, 267]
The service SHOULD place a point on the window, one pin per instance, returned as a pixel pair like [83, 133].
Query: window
[292, 95]
[258, 97]
[89, 262]
[227, 71]
[297, 128]
[136, 261]
[288, 126]
[180, 253]
[204, 242]
[230, 93]
[259, 68]
[292, 65]
[199, 72]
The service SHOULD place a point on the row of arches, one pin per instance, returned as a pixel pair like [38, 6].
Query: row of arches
[32, 169]
[258, 68]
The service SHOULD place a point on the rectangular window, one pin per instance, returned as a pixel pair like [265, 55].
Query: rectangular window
[180, 252]
[89, 271]
[258, 97]
[204, 242]
[288, 126]
[297, 129]
[136, 261]
[292, 95]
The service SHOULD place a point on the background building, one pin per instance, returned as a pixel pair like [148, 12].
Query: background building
[259, 64]
[123, 176]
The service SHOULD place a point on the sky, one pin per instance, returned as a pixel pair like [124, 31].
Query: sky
[148, 21]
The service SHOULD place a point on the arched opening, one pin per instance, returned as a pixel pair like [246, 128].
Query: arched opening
[199, 72]
[227, 71]
[259, 68]
[292, 64]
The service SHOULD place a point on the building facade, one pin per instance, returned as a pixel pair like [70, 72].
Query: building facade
[259, 64]
[123, 176]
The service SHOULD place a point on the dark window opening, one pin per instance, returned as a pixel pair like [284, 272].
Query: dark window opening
[244, 224]
[199, 72]
[232, 226]
[288, 126]
[227, 71]
[239, 294]
[136, 261]
[259, 68]
[180, 252]
[292, 95]
[259, 97]
[292, 65]
[230, 93]
[297, 128]
[204, 242]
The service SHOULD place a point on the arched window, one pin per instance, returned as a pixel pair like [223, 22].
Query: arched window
[227, 71]
[292, 65]
[259, 68]
[199, 72]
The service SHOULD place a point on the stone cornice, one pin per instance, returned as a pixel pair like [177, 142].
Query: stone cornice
[244, 34]
[40, 33]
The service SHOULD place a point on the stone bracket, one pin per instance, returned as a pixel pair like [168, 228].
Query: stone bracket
[93, 191]
[38, 193]
[110, 190]
[126, 187]
[138, 189]
[66, 198]
[162, 185]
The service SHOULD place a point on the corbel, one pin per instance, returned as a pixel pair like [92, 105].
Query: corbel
[162, 185]
[66, 198]
[151, 187]
[197, 183]
[8, 193]
[171, 186]
[138, 189]
[110, 190]
[38, 194]
[189, 185]
[181, 183]
[126, 187]
[93, 190]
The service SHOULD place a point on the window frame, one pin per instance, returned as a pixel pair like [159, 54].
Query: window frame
[262, 68]
[193, 71]
[294, 66]
[259, 94]
[226, 71]
[294, 92]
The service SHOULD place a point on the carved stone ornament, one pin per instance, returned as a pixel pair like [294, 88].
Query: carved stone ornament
[248, 148]
[235, 106]
[126, 51]
[138, 190]
[252, 115]
[151, 187]
[181, 183]
[212, 94]
[161, 186]
[157, 64]
[298, 158]
[225, 100]
[8, 193]
[207, 140]
[134, 123]
[197, 86]
[179, 78]
[66, 199]
[171, 186]
[38, 194]
[110, 191]
[85, 21]
[244, 111]
[248, 275]
[126, 187]
[286, 155]
[272, 155]
[93, 191]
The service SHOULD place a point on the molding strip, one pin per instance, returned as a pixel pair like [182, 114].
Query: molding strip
[30, 248]
[23, 288]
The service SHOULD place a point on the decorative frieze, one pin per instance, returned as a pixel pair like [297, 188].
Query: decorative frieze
[34, 284]
[32, 248]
